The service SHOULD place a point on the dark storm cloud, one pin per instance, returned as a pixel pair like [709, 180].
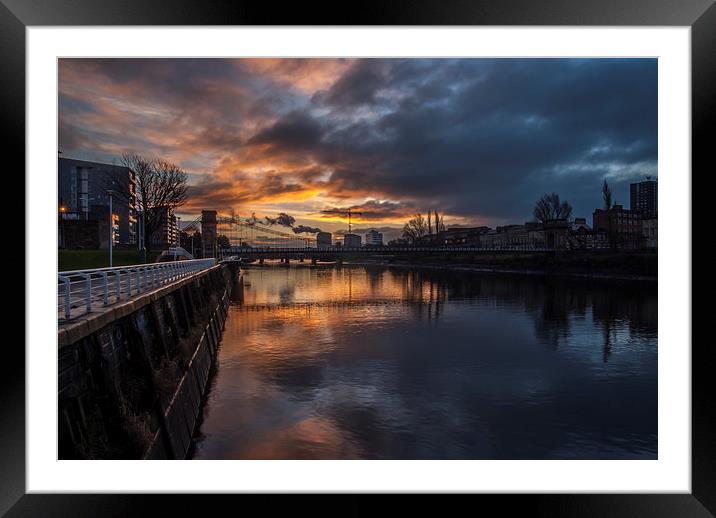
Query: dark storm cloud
[294, 131]
[511, 130]
[483, 137]
[376, 210]
[359, 85]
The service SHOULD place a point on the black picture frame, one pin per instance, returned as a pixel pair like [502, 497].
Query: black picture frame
[700, 15]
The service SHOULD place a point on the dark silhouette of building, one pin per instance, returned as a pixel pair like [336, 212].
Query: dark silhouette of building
[556, 233]
[622, 227]
[461, 235]
[352, 240]
[649, 227]
[82, 196]
[373, 238]
[643, 198]
[167, 233]
[582, 237]
[324, 239]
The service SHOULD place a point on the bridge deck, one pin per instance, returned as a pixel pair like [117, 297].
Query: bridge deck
[393, 250]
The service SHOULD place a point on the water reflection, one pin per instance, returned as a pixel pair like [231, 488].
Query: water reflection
[359, 362]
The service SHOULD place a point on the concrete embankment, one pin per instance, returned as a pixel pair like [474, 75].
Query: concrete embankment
[131, 379]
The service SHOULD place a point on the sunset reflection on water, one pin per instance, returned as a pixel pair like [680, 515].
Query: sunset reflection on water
[370, 362]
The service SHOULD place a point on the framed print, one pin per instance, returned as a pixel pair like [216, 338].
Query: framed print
[414, 254]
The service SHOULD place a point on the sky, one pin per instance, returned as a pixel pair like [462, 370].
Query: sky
[479, 140]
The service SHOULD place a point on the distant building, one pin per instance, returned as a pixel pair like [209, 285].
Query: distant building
[531, 234]
[535, 234]
[579, 224]
[649, 230]
[622, 227]
[582, 237]
[462, 235]
[324, 239]
[373, 238]
[556, 233]
[643, 198]
[351, 241]
[506, 235]
[82, 196]
[167, 234]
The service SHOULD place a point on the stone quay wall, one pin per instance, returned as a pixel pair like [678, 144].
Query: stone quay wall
[131, 380]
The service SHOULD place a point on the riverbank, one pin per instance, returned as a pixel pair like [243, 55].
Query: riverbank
[635, 266]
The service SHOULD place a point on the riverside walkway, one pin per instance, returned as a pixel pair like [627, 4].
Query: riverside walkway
[81, 292]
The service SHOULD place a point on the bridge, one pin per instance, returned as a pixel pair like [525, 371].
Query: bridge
[250, 232]
[338, 253]
[255, 239]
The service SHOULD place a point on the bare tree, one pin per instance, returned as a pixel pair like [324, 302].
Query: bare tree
[439, 225]
[415, 229]
[550, 207]
[161, 185]
[608, 205]
[607, 195]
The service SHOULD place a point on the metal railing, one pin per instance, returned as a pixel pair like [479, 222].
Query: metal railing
[389, 249]
[81, 290]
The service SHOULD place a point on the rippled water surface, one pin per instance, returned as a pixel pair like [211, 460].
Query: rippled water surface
[371, 362]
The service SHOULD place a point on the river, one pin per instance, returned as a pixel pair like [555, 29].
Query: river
[359, 362]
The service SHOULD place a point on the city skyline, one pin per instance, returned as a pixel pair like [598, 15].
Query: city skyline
[477, 139]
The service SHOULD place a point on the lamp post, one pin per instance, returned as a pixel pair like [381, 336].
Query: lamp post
[140, 239]
[111, 227]
[61, 230]
[138, 232]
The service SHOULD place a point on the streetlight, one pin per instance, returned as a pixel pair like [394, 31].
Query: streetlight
[61, 232]
[111, 226]
[140, 241]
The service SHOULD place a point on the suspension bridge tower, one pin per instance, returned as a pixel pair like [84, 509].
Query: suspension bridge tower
[208, 233]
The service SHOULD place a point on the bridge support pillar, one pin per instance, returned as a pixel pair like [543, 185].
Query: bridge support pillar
[208, 233]
[261, 261]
